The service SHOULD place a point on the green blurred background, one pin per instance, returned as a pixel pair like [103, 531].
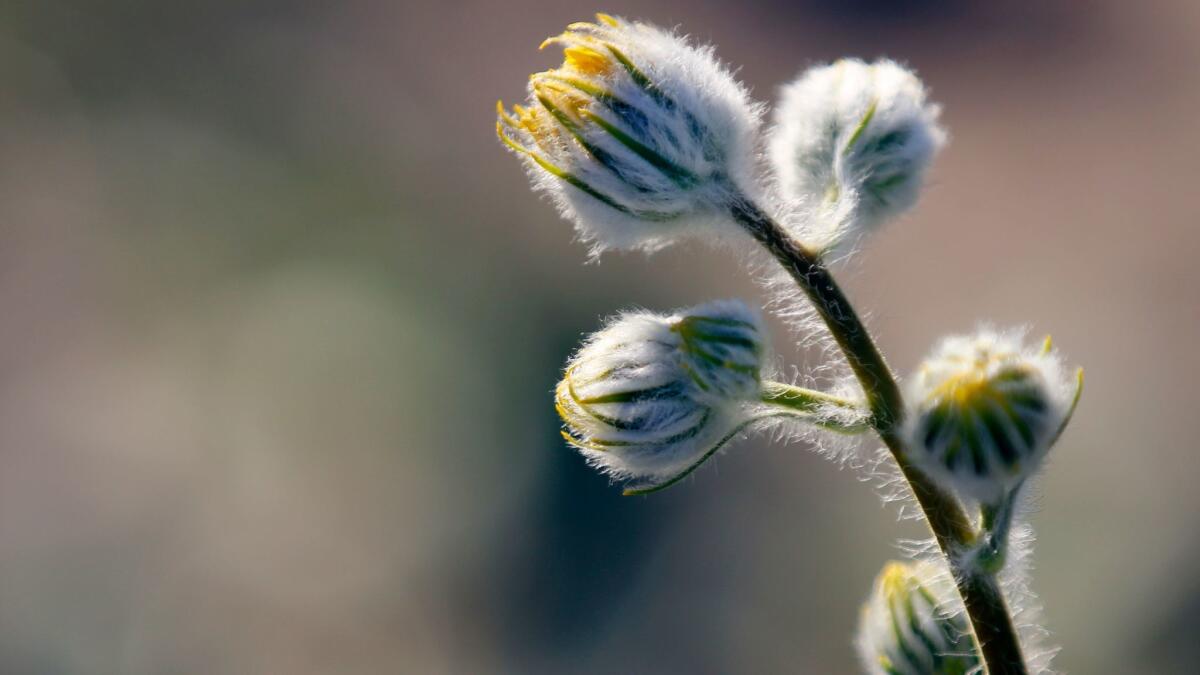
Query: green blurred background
[281, 322]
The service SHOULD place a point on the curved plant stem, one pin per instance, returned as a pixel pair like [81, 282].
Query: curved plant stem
[981, 594]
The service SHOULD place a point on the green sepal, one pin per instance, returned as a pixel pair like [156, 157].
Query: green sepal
[1074, 404]
[860, 128]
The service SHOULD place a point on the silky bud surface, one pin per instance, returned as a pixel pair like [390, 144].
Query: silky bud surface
[652, 396]
[911, 626]
[985, 409]
[639, 136]
[851, 143]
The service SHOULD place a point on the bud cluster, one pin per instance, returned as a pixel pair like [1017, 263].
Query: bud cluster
[642, 138]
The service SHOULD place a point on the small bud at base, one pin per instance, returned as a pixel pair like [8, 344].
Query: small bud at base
[911, 626]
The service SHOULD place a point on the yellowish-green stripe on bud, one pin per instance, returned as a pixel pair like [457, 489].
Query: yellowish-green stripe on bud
[911, 625]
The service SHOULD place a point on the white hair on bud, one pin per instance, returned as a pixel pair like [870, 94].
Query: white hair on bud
[1014, 577]
[984, 410]
[650, 396]
[640, 138]
[850, 146]
[913, 624]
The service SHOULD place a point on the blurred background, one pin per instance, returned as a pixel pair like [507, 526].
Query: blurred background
[281, 322]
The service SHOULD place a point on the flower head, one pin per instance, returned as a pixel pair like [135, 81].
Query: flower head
[909, 625]
[653, 396]
[985, 409]
[639, 137]
[852, 141]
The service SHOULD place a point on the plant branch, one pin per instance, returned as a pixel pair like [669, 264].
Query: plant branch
[801, 399]
[981, 595]
[816, 407]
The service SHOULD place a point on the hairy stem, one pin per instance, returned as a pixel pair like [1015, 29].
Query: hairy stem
[981, 595]
[801, 399]
[816, 406]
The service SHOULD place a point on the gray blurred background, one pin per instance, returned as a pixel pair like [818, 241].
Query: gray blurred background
[281, 322]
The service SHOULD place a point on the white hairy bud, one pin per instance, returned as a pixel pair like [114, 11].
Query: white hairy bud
[639, 137]
[985, 409]
[651, 396]
[851, 142]
[911, 625]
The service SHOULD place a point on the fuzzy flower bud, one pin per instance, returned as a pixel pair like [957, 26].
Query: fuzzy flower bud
[851, 142]
[910, 626]
[653, 396]
[985, 409]
[639, 137]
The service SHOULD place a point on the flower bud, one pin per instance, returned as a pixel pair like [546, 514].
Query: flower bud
[910, 625]
[653, 396]
[638, 137]
[984, 410]
[852, 141]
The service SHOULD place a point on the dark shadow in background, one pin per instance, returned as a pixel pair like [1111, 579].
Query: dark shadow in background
[576, 557]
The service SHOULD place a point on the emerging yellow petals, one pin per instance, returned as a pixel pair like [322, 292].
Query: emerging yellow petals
[895, 580]
[532, 120]
[911, 626]
[562, 98]
[528, 119]
[586, 61]
[985, 409]
[636, 161]
[971, 386]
